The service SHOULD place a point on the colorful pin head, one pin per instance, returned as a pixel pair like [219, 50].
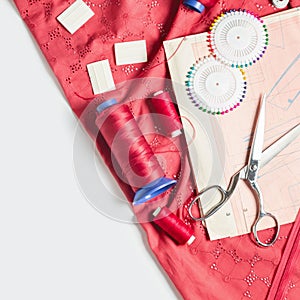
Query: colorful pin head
[238, 38]
[214, 87]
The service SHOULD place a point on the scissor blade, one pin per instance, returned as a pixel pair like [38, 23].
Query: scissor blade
[274, 149]
[258, 137]
[279, 145]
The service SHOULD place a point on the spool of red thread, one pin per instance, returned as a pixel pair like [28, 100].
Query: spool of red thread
[130, 150]
[165, 114]
[199, 6]
[173, 226]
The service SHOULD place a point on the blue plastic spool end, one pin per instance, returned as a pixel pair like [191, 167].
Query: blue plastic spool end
[194, 5]
[153, 189]
[106, 104]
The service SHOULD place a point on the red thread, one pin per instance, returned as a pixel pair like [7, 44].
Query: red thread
[166, 60]
[84, 98]
[173, 226]
[166, 116]
[162, 104]
[129, 147]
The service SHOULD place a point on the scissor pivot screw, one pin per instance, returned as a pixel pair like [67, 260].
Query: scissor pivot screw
[253, 168]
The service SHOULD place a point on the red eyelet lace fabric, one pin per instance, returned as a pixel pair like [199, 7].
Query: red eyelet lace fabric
[233, 268]
[286, 281]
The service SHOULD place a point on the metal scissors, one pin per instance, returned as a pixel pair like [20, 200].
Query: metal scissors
[249, 173]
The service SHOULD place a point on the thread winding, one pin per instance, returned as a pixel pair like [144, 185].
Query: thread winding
[173, 226]
[129, 147]
[166, 116]
[131, 152]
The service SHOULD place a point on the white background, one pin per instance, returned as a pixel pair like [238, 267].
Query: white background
[53, 244]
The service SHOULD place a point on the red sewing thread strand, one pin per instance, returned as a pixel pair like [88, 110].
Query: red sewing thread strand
[84, 98]
[129, 147]
[166, 118]
[165, 60]
[174, 226]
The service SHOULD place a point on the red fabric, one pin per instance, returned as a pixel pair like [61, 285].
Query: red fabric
[286, 282]
[227, 269]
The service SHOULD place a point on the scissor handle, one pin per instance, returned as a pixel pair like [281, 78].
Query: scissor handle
[260, 216]
[215, 208]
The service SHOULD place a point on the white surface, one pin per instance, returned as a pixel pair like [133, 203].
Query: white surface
[51, 238]
[75, 16]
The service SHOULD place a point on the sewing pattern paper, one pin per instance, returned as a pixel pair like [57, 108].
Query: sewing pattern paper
[277, 74]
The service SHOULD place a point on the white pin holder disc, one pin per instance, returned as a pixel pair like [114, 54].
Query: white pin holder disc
[214, 87]
[238, 38]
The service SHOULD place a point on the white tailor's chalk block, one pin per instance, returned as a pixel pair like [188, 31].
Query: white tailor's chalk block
[130, 52]
[76, 15]
[101, 77]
